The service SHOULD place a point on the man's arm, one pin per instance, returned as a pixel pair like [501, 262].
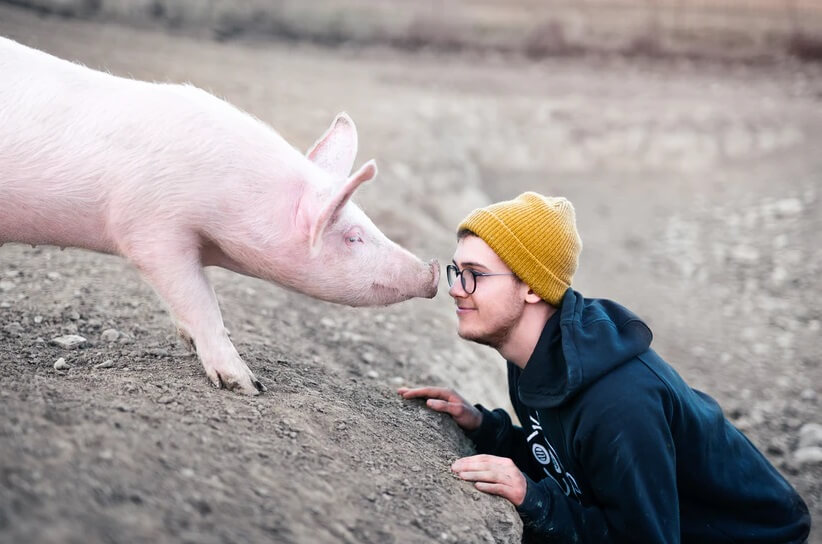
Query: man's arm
[492, 432]
[627, 453]
[497, 435]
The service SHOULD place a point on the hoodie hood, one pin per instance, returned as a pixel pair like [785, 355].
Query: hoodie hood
[584, 340]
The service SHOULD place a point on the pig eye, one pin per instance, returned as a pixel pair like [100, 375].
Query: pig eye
[353, 236]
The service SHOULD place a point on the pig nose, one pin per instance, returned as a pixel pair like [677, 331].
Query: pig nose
[435, 269]
[434, 265]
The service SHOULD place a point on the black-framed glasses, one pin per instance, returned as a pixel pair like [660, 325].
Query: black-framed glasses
[468, 277]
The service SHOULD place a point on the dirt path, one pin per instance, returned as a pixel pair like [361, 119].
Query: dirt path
[697, 188]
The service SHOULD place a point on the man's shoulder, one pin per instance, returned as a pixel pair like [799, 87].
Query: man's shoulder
[635, 387]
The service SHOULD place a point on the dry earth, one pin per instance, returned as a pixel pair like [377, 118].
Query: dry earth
[697, 188]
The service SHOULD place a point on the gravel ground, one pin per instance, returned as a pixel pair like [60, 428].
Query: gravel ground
[697, 187]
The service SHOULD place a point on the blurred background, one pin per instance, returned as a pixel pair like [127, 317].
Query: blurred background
[686, 133]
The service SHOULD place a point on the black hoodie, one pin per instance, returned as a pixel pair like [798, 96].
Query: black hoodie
[616, 447]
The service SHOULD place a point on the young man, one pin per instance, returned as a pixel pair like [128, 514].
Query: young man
[614, 445]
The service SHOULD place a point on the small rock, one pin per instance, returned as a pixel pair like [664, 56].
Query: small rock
[369, 357]
[110, 335]
[13, 328]
[6, 285]
[372, 374]
[788, 207]
[328, 322]
[69, 341]
[61, 364]
[157, 352]
[38, 319]
[397, 380]
[74, 316]
[108, 363]
[745, 254]
[5, 304]
[416, 468]
[166, 399]
[808, 456]
[53, 275]
[808, 395]
[810, 435]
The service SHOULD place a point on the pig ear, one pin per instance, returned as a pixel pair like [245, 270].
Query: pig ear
[367, 172]
[334, 152]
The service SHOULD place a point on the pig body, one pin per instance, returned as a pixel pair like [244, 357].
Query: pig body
[175, 179]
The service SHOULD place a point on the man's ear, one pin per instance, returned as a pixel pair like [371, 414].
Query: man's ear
[530, 296]
[336, 149]
[326, 217]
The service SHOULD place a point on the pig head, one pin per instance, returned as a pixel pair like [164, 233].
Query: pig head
[174, 179]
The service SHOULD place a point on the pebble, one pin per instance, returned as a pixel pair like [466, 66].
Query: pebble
[810, 435]
[61, 364]
[7, 285]
[108, 363]
[788, 207]
[369, 357]
[808, 456]
[69, 341]
[808, 394]
[397, 380]
[110, 335]
[328, 322]
[13, 328]
[38, 319]
[372, 374]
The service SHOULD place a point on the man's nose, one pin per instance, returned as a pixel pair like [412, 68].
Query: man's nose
[456, 290]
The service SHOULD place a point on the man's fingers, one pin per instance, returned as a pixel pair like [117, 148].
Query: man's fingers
[451, 408]
[425, 392]
[495, 489]
[480, 462]
[483, 476]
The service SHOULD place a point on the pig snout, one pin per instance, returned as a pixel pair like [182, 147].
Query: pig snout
[431, 290]
[426, 282]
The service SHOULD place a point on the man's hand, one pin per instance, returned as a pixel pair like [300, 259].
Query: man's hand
[492, 474]
[448, 401]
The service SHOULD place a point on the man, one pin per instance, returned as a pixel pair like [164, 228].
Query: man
[614, 446]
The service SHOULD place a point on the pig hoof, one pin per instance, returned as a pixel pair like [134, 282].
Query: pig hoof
[253, 387]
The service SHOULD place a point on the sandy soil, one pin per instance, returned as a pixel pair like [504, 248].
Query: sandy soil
[697, 188]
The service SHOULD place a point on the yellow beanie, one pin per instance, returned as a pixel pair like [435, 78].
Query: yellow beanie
[536, 236]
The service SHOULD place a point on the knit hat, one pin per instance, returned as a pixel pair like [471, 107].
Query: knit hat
[536, 236]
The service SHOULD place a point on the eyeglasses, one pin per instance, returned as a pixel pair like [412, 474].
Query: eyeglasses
[468, 278]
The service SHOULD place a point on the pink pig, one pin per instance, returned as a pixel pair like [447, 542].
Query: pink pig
[175, 179]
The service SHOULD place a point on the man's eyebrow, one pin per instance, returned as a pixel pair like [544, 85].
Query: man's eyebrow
[471, 264]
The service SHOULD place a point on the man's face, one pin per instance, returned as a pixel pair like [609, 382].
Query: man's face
[490, 313]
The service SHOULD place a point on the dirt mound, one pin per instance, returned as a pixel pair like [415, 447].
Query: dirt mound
[130, 443]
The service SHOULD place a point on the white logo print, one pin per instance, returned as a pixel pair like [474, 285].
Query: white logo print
[547, 456]
[541, 454]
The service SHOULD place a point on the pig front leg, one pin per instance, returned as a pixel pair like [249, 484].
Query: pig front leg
[179, 279]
